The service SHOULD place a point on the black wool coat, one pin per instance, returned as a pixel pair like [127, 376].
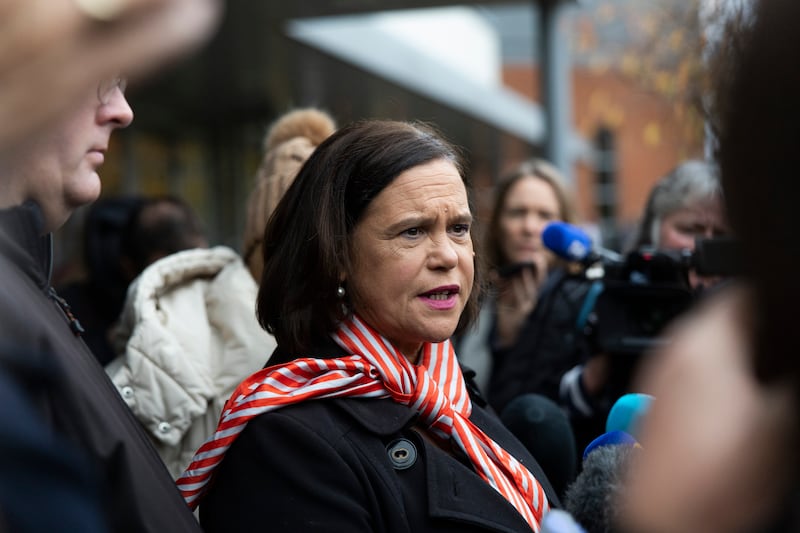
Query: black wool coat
[78, 402]
[356, 465]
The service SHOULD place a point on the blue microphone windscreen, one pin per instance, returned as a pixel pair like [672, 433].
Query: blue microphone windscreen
[567, 241]
[626, 412]
[612, 438]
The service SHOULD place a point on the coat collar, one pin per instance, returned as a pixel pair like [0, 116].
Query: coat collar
[22, 242]
[455, 492]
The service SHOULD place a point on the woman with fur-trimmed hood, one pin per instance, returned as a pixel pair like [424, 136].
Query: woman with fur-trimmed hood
[287, 145]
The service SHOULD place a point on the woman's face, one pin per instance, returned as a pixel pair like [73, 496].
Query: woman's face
[412, 257]
[529, 205]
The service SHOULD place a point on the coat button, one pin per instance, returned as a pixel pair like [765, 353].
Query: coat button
[127, 392]
[402, 454]
[164, 427]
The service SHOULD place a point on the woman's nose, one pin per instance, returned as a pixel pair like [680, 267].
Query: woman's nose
[443, 254]
[533, 224]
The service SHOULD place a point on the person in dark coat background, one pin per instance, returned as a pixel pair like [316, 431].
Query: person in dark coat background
[98, 298]
[365, 422]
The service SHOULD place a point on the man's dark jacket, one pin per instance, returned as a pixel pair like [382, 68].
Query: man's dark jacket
[357, 465]
[81, 405]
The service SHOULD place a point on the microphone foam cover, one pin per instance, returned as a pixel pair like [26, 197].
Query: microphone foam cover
[558, 521]
[626, 412]
[612, 438]
[567, 241]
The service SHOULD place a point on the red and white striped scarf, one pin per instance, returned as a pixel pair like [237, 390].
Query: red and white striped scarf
[434, 388]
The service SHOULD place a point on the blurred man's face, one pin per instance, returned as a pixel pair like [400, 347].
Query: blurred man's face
[58, 170]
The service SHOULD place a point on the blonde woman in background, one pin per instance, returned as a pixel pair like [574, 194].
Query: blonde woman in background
[526, 200]
[518, 337]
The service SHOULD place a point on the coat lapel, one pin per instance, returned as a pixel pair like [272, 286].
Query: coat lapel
[455, 492]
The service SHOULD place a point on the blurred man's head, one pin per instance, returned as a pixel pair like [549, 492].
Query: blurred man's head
[58, 169]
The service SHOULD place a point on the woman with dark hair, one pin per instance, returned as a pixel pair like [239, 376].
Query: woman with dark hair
[365, 422]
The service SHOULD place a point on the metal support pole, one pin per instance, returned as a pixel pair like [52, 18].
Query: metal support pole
[554, 82]
[606, 187]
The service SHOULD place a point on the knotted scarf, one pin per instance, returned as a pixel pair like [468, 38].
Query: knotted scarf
[434, 388]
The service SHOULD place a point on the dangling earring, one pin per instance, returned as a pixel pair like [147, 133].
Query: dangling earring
[340, 292]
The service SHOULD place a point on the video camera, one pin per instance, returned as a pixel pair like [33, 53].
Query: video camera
[633, 297]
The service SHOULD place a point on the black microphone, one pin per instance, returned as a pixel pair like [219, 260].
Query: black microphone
[543, 427]
[573, 244]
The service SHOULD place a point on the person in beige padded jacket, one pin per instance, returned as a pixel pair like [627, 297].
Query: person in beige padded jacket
[188, 333]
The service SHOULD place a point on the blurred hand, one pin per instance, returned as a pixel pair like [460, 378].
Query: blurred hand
[516, 299]
[53, 51]
[717, 445]
[595, 373]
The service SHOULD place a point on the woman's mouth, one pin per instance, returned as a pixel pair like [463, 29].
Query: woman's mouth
[441, 298]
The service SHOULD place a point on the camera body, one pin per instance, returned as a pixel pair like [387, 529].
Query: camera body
[630, 304]
[633, 300]
[624, 303]
[635, 297]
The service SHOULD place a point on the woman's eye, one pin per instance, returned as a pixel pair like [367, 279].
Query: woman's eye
[461, 229]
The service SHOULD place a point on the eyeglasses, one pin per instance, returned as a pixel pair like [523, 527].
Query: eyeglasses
[105, 90]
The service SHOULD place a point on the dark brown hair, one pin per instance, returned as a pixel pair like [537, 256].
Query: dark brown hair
[307, 239]
[759, 157]
[157, 227]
